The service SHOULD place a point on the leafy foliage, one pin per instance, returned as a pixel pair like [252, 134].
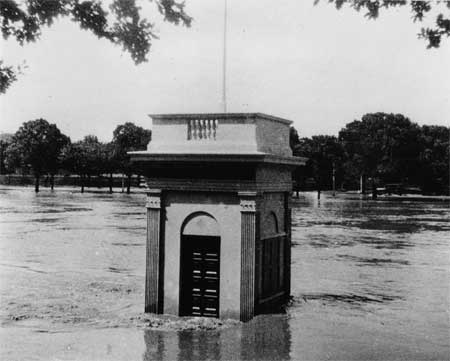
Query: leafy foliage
[324, 153]
[84, 157]
[5, 141]
[89, 157]
[129, 137]
[124, 23]
[382, 145]
[293, 138]
[38, 146]
[434, 158]
[419, 9]
[7, 77]
[387, 148]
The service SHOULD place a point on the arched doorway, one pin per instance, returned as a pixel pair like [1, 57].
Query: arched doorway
[271, 255]
[200, 266]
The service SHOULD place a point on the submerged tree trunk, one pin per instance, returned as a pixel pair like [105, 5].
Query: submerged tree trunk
[374, 189]
[123, 182]
[318, 188]
[52, 181]
[82, 184]
[362, 184]
[36, 183]
[334, 180]
[128, 183]
[110, 183]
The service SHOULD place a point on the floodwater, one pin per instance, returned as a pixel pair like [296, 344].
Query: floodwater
[370, 281]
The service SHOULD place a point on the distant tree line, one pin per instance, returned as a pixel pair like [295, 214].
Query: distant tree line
[374, 152]
[40, 149]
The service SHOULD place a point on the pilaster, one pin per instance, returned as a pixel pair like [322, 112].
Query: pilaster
[287, 244]
[248, 244]
[154, 253]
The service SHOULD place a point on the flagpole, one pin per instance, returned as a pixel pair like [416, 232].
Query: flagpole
[224, 80]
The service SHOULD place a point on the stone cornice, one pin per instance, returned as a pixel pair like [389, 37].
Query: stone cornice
[222, 116]
[217, 157]
[211, 185]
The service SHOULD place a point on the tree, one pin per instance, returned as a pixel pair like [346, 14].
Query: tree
[5, 141]
[293, 138]
[55, 163]
[129, 137]
[298, 176]
[434, 159]
[7, 76]
[419, 9]
[381, 146]
[75, 161]
[324, 153]
[84, 158]
[109, 162]
[37, 145]
[124, 23]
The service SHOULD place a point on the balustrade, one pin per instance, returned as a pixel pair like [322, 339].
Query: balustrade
[202, 129]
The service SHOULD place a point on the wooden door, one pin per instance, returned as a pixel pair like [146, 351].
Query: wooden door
[200, 276]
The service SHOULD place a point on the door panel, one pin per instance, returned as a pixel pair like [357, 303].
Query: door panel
[200, 276]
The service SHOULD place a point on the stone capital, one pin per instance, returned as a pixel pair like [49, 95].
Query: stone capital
[247, 201]
[153, 199]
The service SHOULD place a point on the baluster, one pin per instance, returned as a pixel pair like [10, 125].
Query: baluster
[195, 128]
[209, 128]
[216, 126]
[189, 129]
[204, 128]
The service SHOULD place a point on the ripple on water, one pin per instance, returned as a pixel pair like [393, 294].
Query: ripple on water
[124, 214]
[393, 243]
[348, 298]
[118, 270]
[367, 261]
[128, 244]
[44, 220]
[325, 241]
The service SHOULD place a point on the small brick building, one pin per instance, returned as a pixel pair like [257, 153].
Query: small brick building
[218, 215]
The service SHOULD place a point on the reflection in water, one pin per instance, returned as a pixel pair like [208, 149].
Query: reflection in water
[264, 338]
[267, 337]
[154, 345]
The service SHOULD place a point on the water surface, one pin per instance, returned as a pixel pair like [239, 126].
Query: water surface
[370, 280]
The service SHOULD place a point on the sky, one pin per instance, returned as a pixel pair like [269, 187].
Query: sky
[319, 67]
